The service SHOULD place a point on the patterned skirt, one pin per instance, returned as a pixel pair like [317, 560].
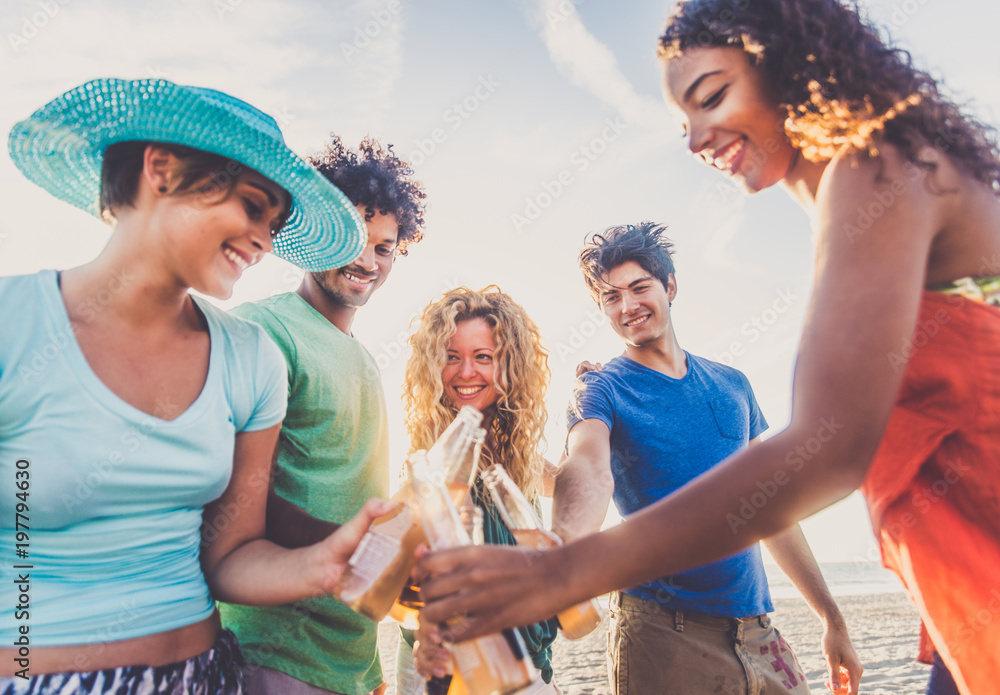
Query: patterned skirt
[215, 672]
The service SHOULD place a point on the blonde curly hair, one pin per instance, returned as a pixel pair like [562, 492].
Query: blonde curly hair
[521, 375]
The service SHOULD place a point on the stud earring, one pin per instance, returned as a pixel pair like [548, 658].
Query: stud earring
[162, 189]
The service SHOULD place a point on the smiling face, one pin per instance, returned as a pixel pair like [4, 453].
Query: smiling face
[732, 119]
[352, 285]
[637, 304]
[468, 374]
[213, 241]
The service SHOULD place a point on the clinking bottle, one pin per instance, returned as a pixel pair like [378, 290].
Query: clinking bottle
[380, 567]
[462, 460]
[576, 622]
[496, 664]
[458, 456]
[472, 520]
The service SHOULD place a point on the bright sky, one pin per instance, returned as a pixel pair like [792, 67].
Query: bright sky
[531, 123]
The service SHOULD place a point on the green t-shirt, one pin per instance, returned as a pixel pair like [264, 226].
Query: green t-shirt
[333, 455]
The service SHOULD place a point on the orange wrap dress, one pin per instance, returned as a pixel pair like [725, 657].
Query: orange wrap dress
[933, 489]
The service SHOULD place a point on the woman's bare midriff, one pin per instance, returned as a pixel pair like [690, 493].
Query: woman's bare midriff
[152, 650]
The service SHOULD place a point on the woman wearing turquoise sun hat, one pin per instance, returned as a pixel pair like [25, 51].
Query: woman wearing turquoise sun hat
[137, 422]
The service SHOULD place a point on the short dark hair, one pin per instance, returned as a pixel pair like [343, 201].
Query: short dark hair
[207, 173]
[644, 243]
[374, 177]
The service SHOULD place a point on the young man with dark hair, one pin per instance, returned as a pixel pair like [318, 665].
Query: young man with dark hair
[333, 449]
[642, 426]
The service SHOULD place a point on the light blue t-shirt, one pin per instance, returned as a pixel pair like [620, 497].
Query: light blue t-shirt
[664, 433]
[114, 495]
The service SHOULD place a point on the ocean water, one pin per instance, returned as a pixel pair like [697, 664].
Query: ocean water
[843, 578]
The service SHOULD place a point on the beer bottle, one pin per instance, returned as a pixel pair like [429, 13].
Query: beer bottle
[458, 457]
[496, 664]
[576, 622]
[452, 446]
[379, 569]
[382, 562]
[462, 475]
[472, 520]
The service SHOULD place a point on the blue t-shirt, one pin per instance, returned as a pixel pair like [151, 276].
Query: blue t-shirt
[664, 433]
[114, 495]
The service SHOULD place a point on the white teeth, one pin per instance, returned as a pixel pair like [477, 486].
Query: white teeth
[726, 157]
[236, 258]
[469, 390]
[355, 278]
[636, 322]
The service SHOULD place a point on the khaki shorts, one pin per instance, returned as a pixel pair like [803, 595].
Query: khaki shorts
[652, 649]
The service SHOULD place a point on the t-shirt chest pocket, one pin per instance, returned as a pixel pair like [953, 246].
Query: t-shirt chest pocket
[731, 418]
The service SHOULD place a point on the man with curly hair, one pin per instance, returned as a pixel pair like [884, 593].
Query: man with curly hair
[646, 424]
[333, 449]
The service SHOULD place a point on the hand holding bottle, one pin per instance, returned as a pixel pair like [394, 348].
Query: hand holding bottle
[333, 554]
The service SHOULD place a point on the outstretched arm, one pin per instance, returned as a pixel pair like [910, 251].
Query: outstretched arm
[867, 293]
[584, 483]
[791, 551]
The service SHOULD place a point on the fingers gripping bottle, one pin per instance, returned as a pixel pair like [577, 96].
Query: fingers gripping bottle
[456, 453]
[496, 664]
[380, 567]
[576, 622]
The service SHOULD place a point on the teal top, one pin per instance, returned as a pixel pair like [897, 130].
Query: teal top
[333, 455]
[538, 637]
[113, 496]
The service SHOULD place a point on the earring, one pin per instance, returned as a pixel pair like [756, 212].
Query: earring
[162, 189]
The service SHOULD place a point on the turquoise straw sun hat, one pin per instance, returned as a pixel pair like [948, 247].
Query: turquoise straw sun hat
[61, 148]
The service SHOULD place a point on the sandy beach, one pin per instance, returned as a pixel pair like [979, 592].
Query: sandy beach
[883, 626]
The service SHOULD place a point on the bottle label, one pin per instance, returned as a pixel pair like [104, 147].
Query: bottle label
[376, 552]
[466, 655]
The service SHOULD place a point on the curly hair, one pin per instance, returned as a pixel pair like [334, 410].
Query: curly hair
[377, 179]
[521, 376]
[644, 243]
[840, 83]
